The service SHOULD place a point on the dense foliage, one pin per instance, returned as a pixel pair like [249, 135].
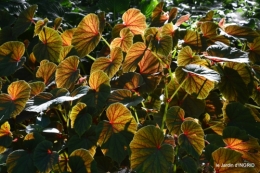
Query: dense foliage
[130, 86]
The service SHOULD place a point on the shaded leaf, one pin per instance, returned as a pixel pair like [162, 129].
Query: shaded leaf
[86, 36]
[6, 135]
[174, 119]
[31, 140]
[130, 81]
[149, 153]
[49, 46]
[11, 57]
[67, 72]
[44, 158]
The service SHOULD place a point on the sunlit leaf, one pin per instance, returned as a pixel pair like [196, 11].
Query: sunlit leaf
[171, 30]
[149, 153]
[159, 17]
[97, 78]
[125, 97]
[86, 36]
[242, 70]
[5, 135]
[80, 118]
[80, 160]
[24, 20]
[67, 36]
[224, 156]
[46, 71]
[44, 158]
[57, 22]
[199, 85]
[116, 133]
[232, 86]
[67, 51]
[20, 161]
[13, 103]
[186, 56]
[67, 72]
[192, 39]
[63, 164]
[209, 29]
[182, 19]
[208, 16]
[36, 88]
[254, 50]
[249, 149]
[39, 25]
[134, 55]
[49, 46]
[125, 41]
[172, 14]
[192, 138]
[240, 116]
[241, 32]
[11, 57]
[221, 52]
[109, 65]
[149, 64]
[174, 119]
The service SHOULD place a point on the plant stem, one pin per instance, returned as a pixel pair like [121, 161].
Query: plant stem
[136, 116]
[166, 106]
[7, 79]
[175, 159]
[213, 126]
[253, 106]
[82, 67]
[105, 41]
[178, 88]
[91, 57]
[27, 68]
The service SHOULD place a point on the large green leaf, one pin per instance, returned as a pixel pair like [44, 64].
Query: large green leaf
[44, 100]
[67, 72]
[20, 161]
[44, 158]
[81, 161]
[31, 140]
[241, 117]
[86, 36]
[192, 138]
[13, 103]
[116, 133]
[80, 118]
[49, 46]
[174, 119]
[149, 153]
[24, 20]
[11, 57]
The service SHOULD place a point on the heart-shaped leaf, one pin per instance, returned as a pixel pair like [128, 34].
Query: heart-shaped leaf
[67, 36]
[194, 83]
[20, 161]
[242, 70]
[36, 88]
[44, 158]
[254, 49]
[158, 15]
[49, 46]
[109, 65]
[80, 160]
[174, 119]
[134, 55]
[13, 103]
[172, 14]
[56, 23]
[162, 45]
[192, 138]
[98, 78]
[24, 20]
[11, 57]
[125, 41]
[67, 72]
[147, 148]
[46, 71]
[86, 36]
[80, 119]
[5, 135]
[186, 56]
[226, 157]
[125, 97]
[192, 39]
[149, 63]
[39, 25]
[132, 19]
[63, 164]
[116, 133]
[209, 29]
